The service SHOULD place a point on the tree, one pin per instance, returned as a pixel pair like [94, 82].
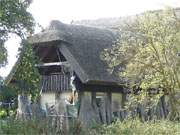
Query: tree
[27, 79]
[14, 19]
[8, 95]
[148, 50]
[27, 74]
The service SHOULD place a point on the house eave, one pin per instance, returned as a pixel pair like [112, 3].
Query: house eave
[47, 37]
[101, 82]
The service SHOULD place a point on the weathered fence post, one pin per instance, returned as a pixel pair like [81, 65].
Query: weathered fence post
[24, 108]
[95, 107]
[62, 115]
[108, 103]
[87, 114]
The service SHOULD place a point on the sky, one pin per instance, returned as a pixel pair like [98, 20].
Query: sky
[67, 10]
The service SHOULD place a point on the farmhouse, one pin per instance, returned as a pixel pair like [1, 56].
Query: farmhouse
[72, 71]
[73, 52]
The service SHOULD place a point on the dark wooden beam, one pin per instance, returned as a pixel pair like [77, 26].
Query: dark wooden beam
[52, 64]
[98, 88]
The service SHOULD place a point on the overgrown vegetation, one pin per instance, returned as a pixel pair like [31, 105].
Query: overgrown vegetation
[127, 127]
[39, 127]
[7, 99]
[27, 74]
[147, 57]
[136, 127]
[14, 19]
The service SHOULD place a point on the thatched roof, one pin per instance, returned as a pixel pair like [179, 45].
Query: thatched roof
[84, 45]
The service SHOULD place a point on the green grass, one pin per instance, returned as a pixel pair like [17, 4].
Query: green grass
[136, 127]
[127, 127]
[11, 126]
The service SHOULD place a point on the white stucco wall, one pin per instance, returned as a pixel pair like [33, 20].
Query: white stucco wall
[50, 99]
[47, 98]
[65, 95]
[116, 102]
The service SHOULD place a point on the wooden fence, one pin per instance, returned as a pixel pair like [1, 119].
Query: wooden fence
[55, 82]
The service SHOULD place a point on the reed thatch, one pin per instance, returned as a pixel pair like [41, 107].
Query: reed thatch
[85, 44]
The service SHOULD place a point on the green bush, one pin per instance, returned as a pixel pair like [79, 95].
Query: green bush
[3, 113]
[136, 127]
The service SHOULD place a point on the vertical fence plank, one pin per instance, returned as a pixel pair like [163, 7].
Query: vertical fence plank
[58, 82]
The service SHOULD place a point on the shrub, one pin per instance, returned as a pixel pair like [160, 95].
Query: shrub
[3, 113]
[136, 127]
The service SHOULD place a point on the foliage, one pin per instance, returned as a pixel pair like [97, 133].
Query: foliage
[27, 74]
[14, 19]
[136, 127]
[3, 113]
[3, 55]
[127, 127]
[7, 94]
[8, 98]
[36, 127]
[11, 126]
[148, 56]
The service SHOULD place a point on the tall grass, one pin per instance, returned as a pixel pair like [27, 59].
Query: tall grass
[30, 127]
[11, 126]
[136, 127]
[126, 127]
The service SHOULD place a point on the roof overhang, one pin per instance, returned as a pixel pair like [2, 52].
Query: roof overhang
[47, 36]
